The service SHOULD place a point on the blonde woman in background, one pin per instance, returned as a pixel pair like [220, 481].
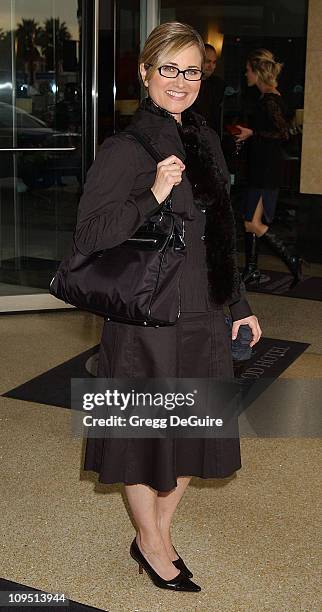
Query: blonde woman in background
[268, 130]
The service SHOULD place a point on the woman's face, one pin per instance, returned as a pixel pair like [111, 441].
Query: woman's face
[252, 77]
[175, 95]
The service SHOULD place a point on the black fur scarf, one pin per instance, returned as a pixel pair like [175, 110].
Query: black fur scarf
[211, 194]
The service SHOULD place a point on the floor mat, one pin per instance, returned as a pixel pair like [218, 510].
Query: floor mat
[14, 587]
[279, 284]
[53, 387]
[270, 358]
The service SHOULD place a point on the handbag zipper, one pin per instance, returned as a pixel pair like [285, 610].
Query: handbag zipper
[163, 254]
[143, 240]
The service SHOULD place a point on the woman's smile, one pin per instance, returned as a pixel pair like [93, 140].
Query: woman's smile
[176, 94]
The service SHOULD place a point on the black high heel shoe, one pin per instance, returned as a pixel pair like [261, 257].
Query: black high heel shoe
[180, 564]
[181, 582]
[293, 261]
[251, 273]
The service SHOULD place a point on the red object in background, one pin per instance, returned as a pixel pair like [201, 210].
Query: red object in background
[232, 129]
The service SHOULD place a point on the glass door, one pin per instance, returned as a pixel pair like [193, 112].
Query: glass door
[123, 26]
[68, 79]
[41, 143]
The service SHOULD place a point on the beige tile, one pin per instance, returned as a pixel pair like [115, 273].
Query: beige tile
[289, 318]
[313, 88]
[311, 175]
[307, 365]
[34, 343]
[314, 37]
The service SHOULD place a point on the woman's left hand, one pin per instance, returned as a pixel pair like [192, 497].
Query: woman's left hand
[244, 133]
[252, 321]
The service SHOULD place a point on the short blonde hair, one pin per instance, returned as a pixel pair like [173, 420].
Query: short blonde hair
[167, 39]
[263, 63]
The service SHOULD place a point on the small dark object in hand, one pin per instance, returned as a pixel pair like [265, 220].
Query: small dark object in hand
[241, 351]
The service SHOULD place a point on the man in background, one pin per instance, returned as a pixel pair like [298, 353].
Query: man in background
[211, 95]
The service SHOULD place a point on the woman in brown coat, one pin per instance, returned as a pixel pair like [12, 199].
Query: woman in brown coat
[124, 186]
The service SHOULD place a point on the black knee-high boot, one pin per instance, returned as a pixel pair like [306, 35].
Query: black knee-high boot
[292, 261]
[251, 272]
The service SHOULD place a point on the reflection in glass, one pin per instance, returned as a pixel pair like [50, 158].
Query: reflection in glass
[118, 83]
[41, 111]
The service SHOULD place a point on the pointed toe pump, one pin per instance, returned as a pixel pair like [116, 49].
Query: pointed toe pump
[180, 564]
[181, 582]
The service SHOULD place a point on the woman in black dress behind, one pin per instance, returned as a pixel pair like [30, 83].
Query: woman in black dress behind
[269, 128]
[123, 188]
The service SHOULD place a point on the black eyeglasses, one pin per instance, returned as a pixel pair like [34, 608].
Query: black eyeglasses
[171, 72]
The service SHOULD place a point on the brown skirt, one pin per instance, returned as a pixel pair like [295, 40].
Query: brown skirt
[198, 346]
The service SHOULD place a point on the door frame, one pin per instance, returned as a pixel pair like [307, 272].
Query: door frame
[32, 302]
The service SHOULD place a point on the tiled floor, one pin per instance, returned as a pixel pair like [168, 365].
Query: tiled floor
[251, 539]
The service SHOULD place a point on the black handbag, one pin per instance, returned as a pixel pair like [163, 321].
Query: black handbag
[136, 282]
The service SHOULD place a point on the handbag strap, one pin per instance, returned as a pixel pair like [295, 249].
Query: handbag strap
[144, 141]
[156, 156]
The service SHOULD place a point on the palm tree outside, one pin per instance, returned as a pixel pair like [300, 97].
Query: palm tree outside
[51, 40]
[28, 32]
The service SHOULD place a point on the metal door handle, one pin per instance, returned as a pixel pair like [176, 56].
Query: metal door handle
[35, 149]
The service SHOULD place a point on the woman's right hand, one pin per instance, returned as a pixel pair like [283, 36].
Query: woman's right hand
[169, 174]
[244, 133]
